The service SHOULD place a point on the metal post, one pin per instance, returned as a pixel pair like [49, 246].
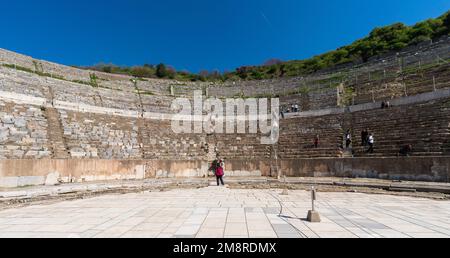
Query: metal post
[313, 198]
[313, 215]
[434, 83]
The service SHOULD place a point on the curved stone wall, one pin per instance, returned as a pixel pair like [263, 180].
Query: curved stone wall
[44, 118]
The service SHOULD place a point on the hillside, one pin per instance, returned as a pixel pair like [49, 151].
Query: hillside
[380, 41]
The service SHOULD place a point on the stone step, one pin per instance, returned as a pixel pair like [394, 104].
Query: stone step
[55, 134]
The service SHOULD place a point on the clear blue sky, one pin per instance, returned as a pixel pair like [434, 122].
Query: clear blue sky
[196, 34]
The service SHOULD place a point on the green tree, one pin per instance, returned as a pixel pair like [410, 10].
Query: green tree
[161, 71]
[446, 23]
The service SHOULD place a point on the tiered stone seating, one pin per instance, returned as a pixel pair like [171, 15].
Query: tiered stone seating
[242, 147]
[428, 79]
[22, 83]
[425, 126]
[90, 135]
[157, 104]
[311, 101]
[74, 92]
[160, 142]
[97, 134]
[403, 84]
[298, 134]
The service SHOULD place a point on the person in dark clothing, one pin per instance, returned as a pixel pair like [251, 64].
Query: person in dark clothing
[364, 137]
[316, 141]
[406, 150]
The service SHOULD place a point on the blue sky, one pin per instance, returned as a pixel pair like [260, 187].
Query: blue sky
[196, 34]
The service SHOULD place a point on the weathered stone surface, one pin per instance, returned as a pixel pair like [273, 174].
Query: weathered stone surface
[313, 217]
[52, 179]
[20, 122]
[30, 180]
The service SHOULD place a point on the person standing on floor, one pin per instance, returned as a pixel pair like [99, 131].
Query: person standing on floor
[218, 167]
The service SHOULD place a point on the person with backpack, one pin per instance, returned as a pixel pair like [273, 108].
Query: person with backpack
[218, 167]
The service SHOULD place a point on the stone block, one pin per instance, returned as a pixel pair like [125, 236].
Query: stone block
[7, 119]
[52, 179]
[20, 122]
[44, 153]
[30, 180]
[31, 153]
[75, 154]
[18, 153]
[314, 217]
[9, 182]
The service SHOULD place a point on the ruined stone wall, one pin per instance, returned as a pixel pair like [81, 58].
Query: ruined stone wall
[23, 132]
[433, 169]
[100, 136]
[375, 80]
[19, 173]
[105, 80]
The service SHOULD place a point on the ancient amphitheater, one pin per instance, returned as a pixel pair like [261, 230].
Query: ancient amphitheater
[70, 133]
[88, 126]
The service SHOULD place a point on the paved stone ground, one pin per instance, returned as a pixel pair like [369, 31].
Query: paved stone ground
[215, 212]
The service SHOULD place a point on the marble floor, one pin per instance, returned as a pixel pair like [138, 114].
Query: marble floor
[217, 212]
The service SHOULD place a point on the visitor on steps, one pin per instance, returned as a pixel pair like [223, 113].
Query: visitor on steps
[371, 142]
[218, 168]
[385, 104]
[316, 142]
[348, 139]
[364, 137]
[406, 150]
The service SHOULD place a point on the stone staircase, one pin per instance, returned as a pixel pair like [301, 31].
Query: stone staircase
[55, 134]
[348, 153]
